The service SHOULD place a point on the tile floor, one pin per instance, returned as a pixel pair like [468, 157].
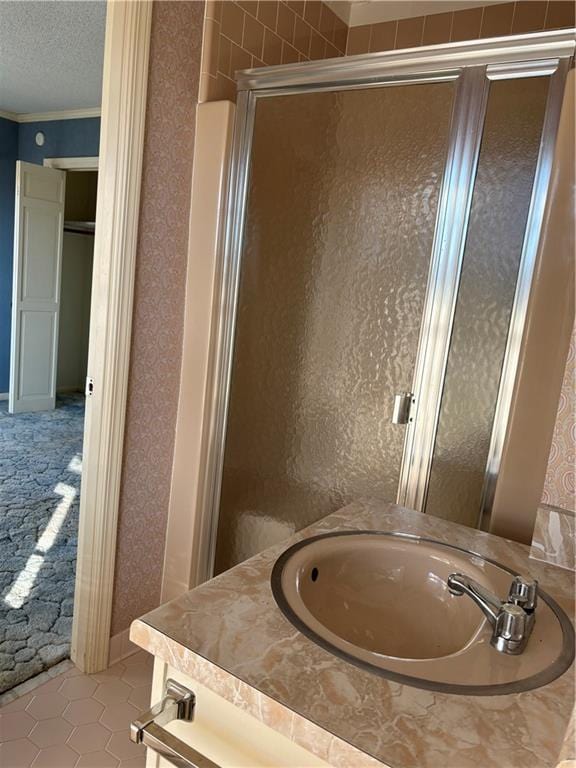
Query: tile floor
[78, 721]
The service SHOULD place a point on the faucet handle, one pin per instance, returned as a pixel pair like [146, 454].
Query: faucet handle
[512, 629]
[524, 592]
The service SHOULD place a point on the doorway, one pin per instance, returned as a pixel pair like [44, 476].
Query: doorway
[41, 435]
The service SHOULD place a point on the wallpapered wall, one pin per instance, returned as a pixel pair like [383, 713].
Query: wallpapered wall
[560, 484]
[158, 307]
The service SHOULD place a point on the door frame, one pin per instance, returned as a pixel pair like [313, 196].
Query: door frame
[72, 163]
[124, 91]
[529, 55]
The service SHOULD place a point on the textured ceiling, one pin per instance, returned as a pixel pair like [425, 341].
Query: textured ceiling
[51, 54]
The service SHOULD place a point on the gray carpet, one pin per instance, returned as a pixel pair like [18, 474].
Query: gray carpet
[40, 466]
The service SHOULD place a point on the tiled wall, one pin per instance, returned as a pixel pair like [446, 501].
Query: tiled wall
[470, 24]
[158, 307]
[560, 484]
[239, 34]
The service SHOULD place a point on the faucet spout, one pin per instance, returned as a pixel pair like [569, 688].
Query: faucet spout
[490, 605]
[512, 620]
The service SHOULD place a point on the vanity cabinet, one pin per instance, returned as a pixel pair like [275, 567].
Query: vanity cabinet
[224, 733]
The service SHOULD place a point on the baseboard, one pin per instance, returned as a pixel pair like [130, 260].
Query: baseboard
[121, 647]
[4, 395]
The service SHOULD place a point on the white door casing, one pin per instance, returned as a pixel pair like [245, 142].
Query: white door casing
[38, 232]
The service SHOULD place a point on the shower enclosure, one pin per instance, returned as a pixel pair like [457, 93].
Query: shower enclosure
[382, 230]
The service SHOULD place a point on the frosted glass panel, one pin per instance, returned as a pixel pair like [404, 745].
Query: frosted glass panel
[499, 213]
[340, 220]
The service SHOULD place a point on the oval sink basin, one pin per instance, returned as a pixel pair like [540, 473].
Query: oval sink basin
[381, 601]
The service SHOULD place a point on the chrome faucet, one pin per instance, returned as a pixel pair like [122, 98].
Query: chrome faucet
[512, 619]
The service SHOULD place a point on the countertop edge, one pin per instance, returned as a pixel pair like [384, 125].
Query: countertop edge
[304, 732]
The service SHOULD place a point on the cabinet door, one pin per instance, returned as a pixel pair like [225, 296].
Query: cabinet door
[226, 734]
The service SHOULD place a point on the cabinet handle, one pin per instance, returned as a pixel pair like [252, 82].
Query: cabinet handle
[178, 703]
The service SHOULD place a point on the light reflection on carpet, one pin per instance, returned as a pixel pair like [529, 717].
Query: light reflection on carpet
[40, 466]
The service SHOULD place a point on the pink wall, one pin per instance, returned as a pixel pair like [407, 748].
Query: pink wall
[158, 307]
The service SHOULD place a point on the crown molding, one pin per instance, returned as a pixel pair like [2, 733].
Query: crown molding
[39, 117]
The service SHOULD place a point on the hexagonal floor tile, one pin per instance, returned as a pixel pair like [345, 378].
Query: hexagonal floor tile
[97, 760]
[83, 711]
[56, 757]
[18, 753]
[48, 733]
[137, 675]
[112, 673]
[140, 697]
[112, 691]
[134, 762]
[89, 738]
[80, 687]
[118, 716]
[18, 704]
[46, 705]
[121, 746]
[15, 725]
[140, 657]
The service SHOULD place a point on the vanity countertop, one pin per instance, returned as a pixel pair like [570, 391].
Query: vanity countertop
[230, 635]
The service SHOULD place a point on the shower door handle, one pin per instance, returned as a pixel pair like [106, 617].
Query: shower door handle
[403, 402]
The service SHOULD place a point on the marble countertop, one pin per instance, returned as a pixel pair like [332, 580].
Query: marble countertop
[230, 635]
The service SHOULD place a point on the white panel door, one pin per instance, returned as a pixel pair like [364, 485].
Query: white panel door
[38, 232]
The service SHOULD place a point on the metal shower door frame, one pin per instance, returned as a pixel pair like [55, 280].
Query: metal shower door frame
[470, 66]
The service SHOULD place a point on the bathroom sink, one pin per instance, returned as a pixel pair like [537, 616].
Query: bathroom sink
[381, 601]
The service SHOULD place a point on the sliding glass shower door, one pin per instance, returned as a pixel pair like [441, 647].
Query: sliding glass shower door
[382, 241]
[341, 209]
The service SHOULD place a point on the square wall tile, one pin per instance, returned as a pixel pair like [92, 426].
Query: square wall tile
[312, 10]
[286, 23]
[232, 24]
[437, 29]
[409, 33]
[272, 48]
[302, 36]
[253, 36]
[383, 36]
[529, 16]
[289, 53]
[268, 13]
[497, 20]
[466, 24]
[317, 45]
[560, 13]
[359, 39]
[250, 6]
